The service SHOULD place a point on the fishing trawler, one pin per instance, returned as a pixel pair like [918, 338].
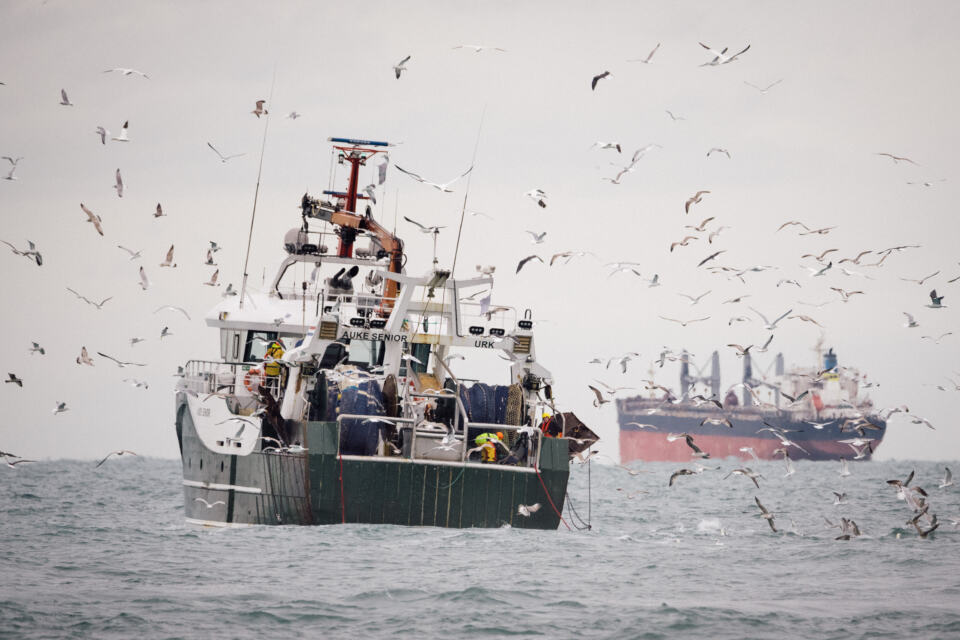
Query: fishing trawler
[362, 419]
[819, 410]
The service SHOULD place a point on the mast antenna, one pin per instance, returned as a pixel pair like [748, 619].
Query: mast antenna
[466, 192]
[256, 191]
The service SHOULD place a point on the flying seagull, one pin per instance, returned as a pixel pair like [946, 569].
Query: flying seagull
[98, 305]
[144, 281]
[259, 110]
[424, 228]
[133, 254]
[694, 199]
[770, 326]
[12, 161]
[763, 90]
[91, 217]
[720, 57]
[127, 72]
[115, 453]
[120, 363]
[397, 68]
[684, 323]
[444, 186]
[766, 514]
[526, 260]
[64, 100]
[12, 377]
[123, 133]
[526, 510]
[539, 196]
[477, 48]
[168, 260]
[598, 78]
[84, 357]
[173, 308]
[897, 159]
[649, 56]
[119, 183]
[718, 150]
[103, 133]
[224, 158]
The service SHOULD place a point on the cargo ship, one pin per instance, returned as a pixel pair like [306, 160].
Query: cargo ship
[815, 413]
[336, 399]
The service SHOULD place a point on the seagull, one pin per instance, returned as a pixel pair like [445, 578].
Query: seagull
[134, 341]
[293, 115]
[763, 90]
[165, 332]
[537, 238]
[845, 295]
[371, 191]
[209, 261]
[539, 196]
[84, 357]
[600, 400]
[643, 425]
[694, 199]
[711, 257]
[751, 452]
[935, 301]
[229, 291]
[120, 363]
[439, 186]
[397, 68]
[168, 261]
[103, 133]
[209, 505]
[259, 110]
[526, 510]
[13, 465]
[133, 254]
[715, 233]
[697, 452]
[685, 322]
[173, 308]
[649, 56]
[682, 243]
[946, 482]
[36, 348]
[766, 514]
[521, 264]
[747, 472]
[717, 421]
[821, 231]
[607, 145]
[91, 217]
[13, 161]
[695, 300]
[841, 498]
[680, 472]
[718, 150]
[844, 468]
[770, 326]
[700, 228]
[598, 78]
[927, 183]
[123, 133]
[119, 184]
[896, 159]
[64, 100]
[144, 281]
[720, 57]
[60, 408]
[12, 377]
[115, 453]
[423, 228]
[674, 117]
[938, 338]
[89, 301]
[213, 279]
[224, 158]
[127, 72]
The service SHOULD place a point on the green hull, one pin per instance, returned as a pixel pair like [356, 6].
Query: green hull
[319, 487]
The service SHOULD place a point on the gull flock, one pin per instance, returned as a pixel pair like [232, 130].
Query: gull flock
[823, 265]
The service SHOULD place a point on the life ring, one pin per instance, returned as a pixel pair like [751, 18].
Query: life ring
[252, 379]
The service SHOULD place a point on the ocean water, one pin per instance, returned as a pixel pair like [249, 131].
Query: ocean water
[105, 553]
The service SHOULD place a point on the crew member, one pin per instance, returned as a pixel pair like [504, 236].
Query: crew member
[272, 367]
[550, 427]
[487, 442]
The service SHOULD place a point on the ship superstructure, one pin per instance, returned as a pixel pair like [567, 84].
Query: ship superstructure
[362, 418]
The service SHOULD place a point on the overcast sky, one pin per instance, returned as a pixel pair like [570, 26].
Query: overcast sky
[858, 78]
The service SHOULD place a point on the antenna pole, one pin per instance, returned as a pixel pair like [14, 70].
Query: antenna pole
[256, 191]
[466, 192]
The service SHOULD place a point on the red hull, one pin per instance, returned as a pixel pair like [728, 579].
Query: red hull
[654, 447]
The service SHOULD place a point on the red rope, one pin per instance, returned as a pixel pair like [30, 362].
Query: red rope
[550, 500]
[343, 507]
